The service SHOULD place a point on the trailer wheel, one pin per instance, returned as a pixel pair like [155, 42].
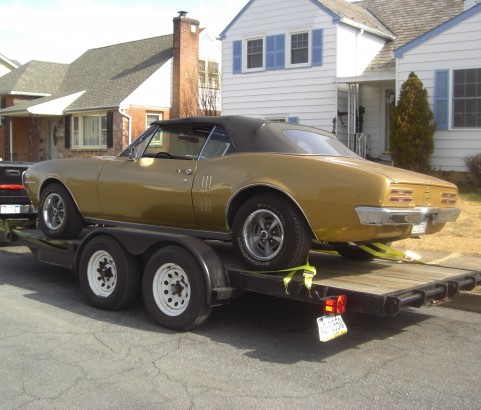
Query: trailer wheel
[109, 275]
[58, 216]
[174, 289]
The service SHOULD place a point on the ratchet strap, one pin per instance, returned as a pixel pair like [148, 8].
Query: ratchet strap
[386, 252]
[378, 250]
[308, 272]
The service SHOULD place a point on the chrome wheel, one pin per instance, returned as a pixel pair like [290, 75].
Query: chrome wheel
[171, 289]
[53, 212]
[263, 234]
[102, 274]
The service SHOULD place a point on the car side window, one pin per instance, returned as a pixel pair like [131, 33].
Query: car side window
[177, 141]
[218, 144]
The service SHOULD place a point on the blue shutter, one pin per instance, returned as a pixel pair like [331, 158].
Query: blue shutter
[317, 46]
[275, 52]
[237, 57]
[441, 99]
[293, 120]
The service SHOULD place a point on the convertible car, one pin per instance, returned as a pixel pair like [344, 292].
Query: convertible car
[272, 189]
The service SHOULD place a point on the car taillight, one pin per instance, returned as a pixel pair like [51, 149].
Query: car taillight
[401, 196]
[335, 305]
[448, 198]
[12, 187]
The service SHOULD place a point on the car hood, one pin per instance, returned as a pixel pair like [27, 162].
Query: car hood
[397, 175]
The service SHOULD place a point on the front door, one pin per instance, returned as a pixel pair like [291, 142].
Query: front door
[153, 191]
[52, 149]
[151, 183]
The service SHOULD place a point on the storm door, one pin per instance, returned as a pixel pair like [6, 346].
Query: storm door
[390, 103]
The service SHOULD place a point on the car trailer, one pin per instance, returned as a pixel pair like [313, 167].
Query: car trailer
[184, 277]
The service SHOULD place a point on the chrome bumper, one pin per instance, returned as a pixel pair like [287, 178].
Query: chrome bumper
[393, 216]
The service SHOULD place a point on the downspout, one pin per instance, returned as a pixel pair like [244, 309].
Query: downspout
[10, 123]
[129, 119]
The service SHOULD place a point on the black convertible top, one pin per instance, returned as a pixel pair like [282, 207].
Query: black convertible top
[251, 134]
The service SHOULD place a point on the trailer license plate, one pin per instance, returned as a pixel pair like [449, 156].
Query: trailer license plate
[419, 229]
[330, 327]
[9, 209]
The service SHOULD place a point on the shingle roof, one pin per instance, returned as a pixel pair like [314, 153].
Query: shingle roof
[108, 75]
[357, 14]
[35, 77]
[407, 19]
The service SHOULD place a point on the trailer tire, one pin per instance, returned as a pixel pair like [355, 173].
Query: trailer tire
[58, 216]
[174, 289]
[109, 275]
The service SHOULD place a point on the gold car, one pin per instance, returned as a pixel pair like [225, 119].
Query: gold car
[270, 188]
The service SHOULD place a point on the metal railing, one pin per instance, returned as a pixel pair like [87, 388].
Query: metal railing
[358, 143]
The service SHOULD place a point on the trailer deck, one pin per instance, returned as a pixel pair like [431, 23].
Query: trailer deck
[378, 287]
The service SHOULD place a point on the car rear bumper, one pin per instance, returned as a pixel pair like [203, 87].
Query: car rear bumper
[394, 216]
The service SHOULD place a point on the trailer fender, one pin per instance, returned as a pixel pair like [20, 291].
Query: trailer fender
[139, 242]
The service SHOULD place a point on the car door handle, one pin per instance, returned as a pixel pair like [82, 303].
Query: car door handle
[187, 171]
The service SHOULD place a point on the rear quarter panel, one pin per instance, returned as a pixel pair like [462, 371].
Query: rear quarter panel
[326, 192]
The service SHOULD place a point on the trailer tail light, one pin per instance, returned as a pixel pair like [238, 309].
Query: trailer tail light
[12, 187]
[335, 305]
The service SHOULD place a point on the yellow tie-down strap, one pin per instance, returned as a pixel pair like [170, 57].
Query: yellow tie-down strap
[378, 250]
[386, 252]
[308, 271]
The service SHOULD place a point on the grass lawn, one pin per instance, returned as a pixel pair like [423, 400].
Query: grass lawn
[462, 237]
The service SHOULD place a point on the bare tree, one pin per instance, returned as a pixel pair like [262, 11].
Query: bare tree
[201, 92]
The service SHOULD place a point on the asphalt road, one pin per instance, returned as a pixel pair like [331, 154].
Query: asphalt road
[57, 352]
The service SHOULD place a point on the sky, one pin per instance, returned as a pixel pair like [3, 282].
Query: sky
[60, 31]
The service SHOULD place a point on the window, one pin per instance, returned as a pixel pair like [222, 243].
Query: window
[150, 117]
[178, 142]
[300, 48]
[89, 131]
[467, 98]
[218, 144]
[209, 74]
[255, 52]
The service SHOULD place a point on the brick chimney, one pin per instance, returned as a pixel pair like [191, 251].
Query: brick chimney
[185, 75]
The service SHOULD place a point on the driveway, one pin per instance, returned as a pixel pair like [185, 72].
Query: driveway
[56, 351]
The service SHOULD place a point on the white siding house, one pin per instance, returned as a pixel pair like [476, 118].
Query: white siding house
[278, 88]
[448, 62]
[331, 64]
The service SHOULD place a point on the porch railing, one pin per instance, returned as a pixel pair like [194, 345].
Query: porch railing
[357, 143]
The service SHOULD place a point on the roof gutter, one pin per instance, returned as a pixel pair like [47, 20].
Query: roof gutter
[371, 30]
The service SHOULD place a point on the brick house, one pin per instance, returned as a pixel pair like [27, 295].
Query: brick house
[104, 99]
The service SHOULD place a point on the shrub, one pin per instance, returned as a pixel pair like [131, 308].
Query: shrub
[473, 162]
[412, 127]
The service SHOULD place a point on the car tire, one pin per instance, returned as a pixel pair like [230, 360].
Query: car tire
[269, 233]
[174, 289]
[109, 276]
[58, 216]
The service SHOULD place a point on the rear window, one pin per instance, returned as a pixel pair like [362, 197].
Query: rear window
[313, 143]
